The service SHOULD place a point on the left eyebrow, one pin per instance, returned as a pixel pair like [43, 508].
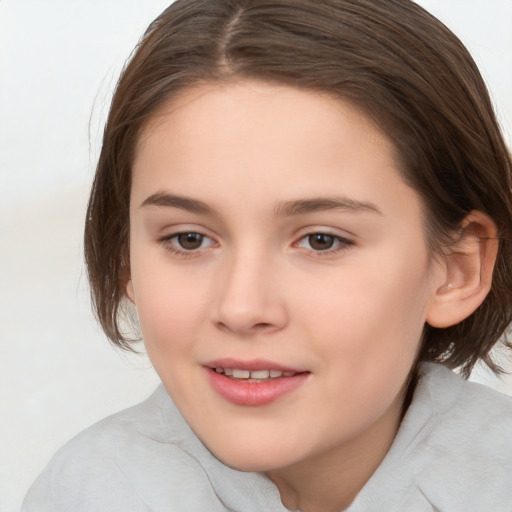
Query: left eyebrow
[318, 204]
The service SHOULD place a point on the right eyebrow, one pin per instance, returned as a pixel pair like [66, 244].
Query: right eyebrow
[175, 201]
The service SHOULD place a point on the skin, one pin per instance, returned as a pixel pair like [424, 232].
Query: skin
[351, 315]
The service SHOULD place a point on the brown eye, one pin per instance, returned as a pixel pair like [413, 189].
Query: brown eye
[190, 241]
[321, 241]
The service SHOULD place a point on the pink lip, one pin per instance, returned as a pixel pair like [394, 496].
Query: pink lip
[241, 392]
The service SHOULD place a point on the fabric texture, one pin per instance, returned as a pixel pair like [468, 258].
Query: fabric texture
[453, 453]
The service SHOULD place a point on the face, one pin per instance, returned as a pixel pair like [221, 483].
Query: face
[279, 270]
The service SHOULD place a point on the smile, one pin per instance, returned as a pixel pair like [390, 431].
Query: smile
[253, 383]
[255, 375]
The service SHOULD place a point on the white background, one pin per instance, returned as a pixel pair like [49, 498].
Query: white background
[58, 62]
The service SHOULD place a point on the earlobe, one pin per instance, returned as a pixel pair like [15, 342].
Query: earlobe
[468, 267]
[129, 290]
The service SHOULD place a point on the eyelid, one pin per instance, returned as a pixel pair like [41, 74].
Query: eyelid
[343, 242]
[166, 241]
[170, 230]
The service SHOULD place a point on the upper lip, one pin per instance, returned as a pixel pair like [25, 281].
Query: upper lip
[251, 365]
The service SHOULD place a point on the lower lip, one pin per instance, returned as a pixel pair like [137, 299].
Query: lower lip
[242, 392]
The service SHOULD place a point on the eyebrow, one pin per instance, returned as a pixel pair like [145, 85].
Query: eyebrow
[304, 206]
[285, 209]
[174, 201]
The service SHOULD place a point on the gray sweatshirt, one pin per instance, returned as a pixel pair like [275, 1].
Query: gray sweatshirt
[453, 453]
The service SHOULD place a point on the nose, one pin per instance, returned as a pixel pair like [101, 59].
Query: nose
[250, 300]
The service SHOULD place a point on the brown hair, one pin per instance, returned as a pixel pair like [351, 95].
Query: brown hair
[392, 59]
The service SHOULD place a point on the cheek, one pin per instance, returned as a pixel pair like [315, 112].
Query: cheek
[169, 315]
[169, 308]
[366, 330]
[368, 317]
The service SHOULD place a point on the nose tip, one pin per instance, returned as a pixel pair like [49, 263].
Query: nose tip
[250, 302]
[245, 315]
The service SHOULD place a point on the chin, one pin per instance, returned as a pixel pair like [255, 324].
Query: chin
[252, 460]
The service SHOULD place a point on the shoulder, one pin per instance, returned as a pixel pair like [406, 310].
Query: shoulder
[464, 451]
[469, 410]
[135, 460]
[453, 451]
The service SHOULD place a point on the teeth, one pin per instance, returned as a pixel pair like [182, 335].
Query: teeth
[256, 374]
[260, 374]
[241, 374]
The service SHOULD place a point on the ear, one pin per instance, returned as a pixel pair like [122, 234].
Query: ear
[125, 276]
[468, 267]
[129, 290]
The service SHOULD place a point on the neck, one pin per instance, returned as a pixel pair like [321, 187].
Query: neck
[330, 481]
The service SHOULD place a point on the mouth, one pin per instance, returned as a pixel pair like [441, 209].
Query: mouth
[253, 383]
[254, 375]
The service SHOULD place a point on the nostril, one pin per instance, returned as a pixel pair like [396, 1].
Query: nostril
[262, 325]
[238, 314]
[259, 326]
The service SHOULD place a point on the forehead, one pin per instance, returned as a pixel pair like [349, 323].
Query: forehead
[263, 142]
[253, 109]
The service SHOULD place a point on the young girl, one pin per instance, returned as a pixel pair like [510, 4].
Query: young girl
[308, 208]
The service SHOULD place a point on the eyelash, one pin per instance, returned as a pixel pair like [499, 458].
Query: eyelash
[167, 243]
[342, 244]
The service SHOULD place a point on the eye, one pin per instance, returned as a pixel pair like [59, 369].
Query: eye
[186, 243]
[321, 241]
[324, 242]
[189, 241]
